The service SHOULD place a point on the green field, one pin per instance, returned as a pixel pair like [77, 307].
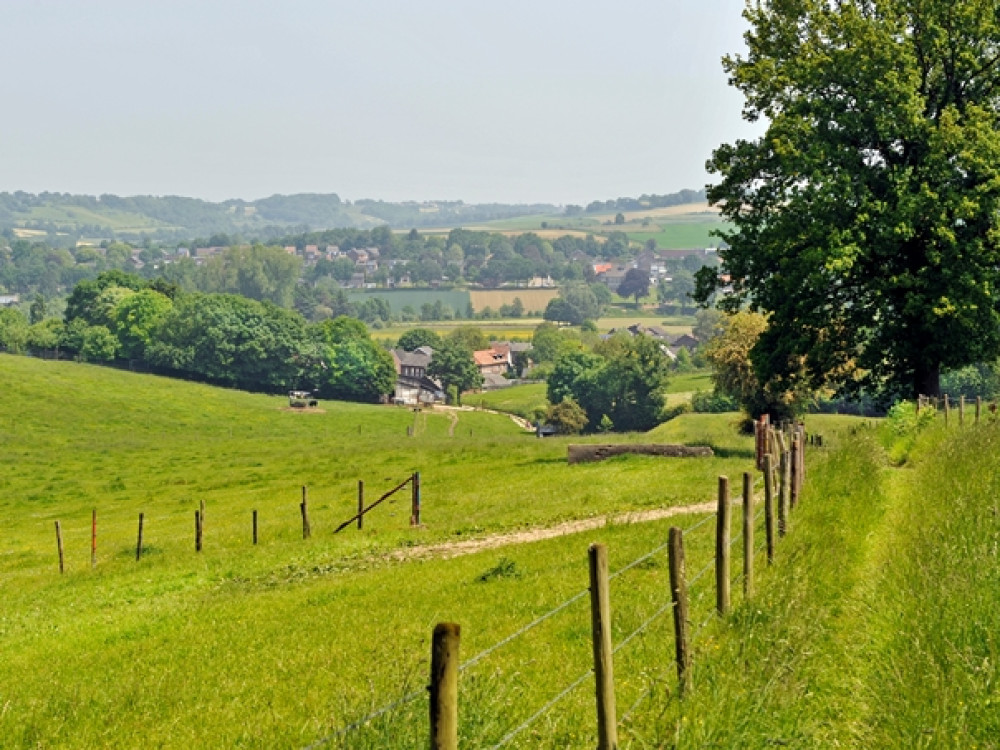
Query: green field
[873, 629]
[260, 646]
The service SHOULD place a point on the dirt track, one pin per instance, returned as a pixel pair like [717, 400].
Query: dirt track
[470, 546]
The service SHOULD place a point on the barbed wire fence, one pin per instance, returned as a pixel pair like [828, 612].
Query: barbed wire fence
[778, 489]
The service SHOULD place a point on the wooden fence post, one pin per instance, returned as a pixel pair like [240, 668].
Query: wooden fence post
[784, 472]
[415, 503]
[361, 504]
[722, 548]
[947, 409]
[304, 507]
[138, 544]
[794, 488]
[93, 539]
[961, 410]
[600, 610]
[679, 596]
[59, 545]
[255, 526]
[444, 686]
[979, 407]
[747, 535]
[197, 530]
[769, 507]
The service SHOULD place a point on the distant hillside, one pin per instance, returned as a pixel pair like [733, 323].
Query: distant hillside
[64, 218]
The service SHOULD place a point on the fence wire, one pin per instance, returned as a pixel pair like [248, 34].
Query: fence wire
[543, 710]
[537, 621]
[370, 717]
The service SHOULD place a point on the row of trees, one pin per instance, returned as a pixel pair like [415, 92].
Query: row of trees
[223, 339]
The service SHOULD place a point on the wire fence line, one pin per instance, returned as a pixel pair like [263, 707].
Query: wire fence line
[543, 710]
[514, 636]
[370, 717]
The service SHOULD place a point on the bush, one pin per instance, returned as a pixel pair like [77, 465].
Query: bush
[712, 402]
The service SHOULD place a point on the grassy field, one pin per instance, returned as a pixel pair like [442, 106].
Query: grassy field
[874, 628]
[673, 228]
[522, 329]
[277, 644]
[523, 400]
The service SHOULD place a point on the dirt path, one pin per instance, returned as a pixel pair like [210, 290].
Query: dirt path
[471, 546]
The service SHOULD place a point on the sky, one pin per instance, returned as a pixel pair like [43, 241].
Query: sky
[513, 101]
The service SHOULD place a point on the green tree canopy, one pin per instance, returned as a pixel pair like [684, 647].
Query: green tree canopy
[417, 337]
[866, 218]
[635, 284]
[454, 366]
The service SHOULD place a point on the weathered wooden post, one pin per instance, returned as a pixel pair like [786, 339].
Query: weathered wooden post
[59, 546]
[444, 686]
[947, 409]
[784, 472]
[769, 507]
[679, 597]
[979, 407]
[415, 500]
[138, 544]
[747, 535]
[961, 410]
[600, 610]
[304, 507]
[255, 526]
[93, 539]
[361, 504]
[794, 488]
[197, 531]
[722, 548]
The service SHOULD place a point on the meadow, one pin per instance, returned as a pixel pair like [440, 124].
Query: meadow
[872, 629]
[279, 643]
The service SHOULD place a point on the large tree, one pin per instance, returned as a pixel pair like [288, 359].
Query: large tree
[866, 219]
[454, 366]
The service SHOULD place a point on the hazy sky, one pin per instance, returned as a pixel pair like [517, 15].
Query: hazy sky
[558, 102]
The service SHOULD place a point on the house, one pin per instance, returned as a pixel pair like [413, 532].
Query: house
[413, 387]
[492, 361]
[686, 341]
[6, 300]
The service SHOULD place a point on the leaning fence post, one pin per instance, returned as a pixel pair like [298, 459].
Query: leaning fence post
[444, 686]
[679, 596]
[600, 610]
[197, 531]
[304, 507]
[747, 535]
[722, 548]
[93, 539]
[361, 504]
[255, 526]
[138, 544]
[769, 507]
[415, 501]
[59, 545]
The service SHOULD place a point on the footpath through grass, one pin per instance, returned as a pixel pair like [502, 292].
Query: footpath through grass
[877, 625]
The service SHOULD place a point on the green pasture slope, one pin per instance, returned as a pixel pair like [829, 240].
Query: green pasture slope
[279, 644]
[874, 628]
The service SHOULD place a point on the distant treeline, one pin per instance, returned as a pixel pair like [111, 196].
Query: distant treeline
[65, 218]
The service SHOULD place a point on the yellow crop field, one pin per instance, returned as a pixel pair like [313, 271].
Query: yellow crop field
[534, 300]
